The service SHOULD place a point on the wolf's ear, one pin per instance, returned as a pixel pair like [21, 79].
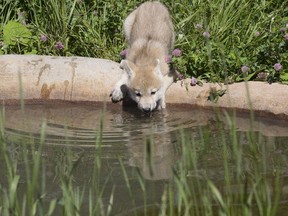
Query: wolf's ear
[128, 66]
[157, 68]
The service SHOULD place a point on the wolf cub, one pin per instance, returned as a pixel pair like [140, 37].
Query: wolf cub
[146, 76]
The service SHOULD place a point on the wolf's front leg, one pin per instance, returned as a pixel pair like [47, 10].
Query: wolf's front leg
[167, 82]
[117, 93]
[161, 103]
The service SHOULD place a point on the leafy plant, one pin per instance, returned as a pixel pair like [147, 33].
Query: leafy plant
[214, 94]
[216, 37]
[18, 36]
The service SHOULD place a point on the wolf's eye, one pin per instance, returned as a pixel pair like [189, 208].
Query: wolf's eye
[153, 92]
[138, 94]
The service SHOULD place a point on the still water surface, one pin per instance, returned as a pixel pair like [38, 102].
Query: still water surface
[125, 134]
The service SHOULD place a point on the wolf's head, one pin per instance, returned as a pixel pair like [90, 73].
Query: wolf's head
[144, 84]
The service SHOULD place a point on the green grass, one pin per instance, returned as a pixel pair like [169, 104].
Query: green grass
[242, 32]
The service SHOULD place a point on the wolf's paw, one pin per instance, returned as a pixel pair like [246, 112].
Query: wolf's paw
[161, 105]
[116, 95]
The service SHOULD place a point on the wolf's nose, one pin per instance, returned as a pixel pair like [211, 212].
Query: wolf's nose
[146, 110]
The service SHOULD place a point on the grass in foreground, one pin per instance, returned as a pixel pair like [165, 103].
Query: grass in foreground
[249, 182]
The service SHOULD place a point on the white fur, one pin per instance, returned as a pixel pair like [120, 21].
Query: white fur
[150, 36]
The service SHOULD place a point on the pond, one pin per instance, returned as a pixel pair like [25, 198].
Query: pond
[125, 162]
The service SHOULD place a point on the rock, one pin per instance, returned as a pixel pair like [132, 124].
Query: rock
[260, 96]
[89, 79]
[49, 77]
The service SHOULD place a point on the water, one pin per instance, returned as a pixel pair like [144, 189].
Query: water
[126, 137]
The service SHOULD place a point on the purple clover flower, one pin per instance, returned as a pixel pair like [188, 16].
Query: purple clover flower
[59, 45]
[283, 29]
[286, 36]
[177, 52]
[180, 76]
[43, 38]
[123, 53]
[257, 33]
[198, 26]
[193, 81]
[206, 34]
[21, 14]
[244, 69]
[168, 59]
[277, 67]
[262, 75]
[95, 13]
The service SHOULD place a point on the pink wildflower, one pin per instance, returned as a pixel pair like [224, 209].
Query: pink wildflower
[43, 38]
[277, 67]
[123, 53]
[168, 59]
[198, 26]
[244, 69]
[193, 81]
[177, 52]
[206, 34]
[59, 45]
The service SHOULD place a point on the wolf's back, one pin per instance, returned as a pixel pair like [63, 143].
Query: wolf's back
[152, 22]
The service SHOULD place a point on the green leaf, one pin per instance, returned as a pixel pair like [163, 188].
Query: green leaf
[216, 193]
[32, 52]
[249, 76]
[52, 206]
[243, 77]
[284, 76]
[14, 32]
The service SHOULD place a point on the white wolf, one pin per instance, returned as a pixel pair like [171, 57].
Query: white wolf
[146, 76]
